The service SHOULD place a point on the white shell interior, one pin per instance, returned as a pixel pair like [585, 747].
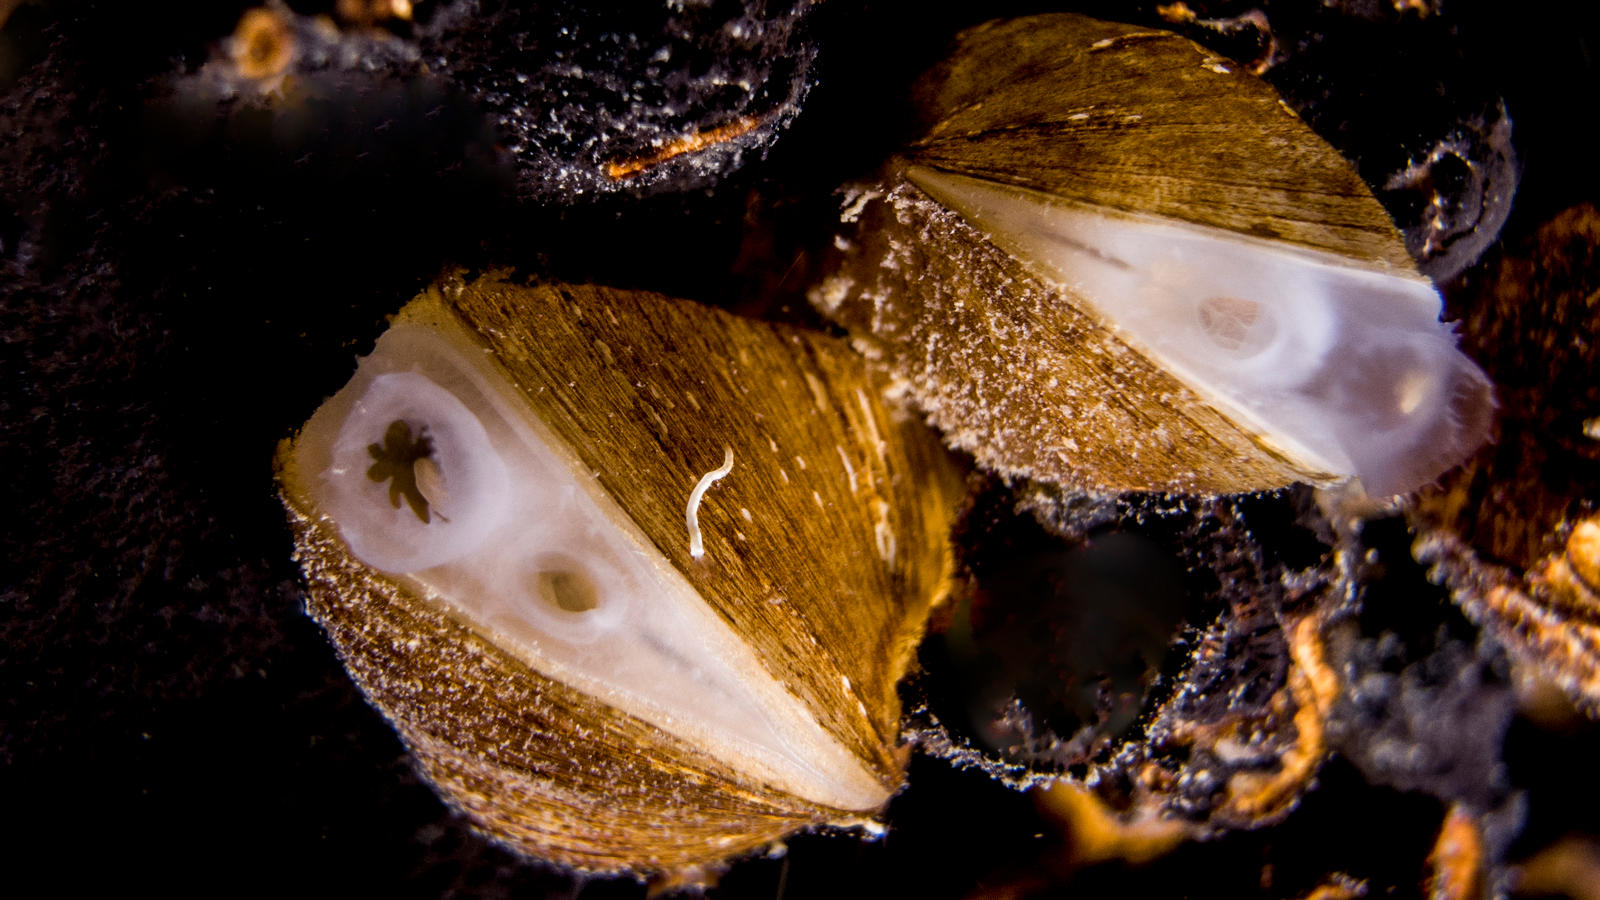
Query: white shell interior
[1346, 368]
[524, 546]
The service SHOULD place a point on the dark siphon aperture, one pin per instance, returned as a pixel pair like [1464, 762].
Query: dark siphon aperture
[395, 461]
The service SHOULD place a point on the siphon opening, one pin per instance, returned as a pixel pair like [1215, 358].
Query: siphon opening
[1233, 324]
[568, 589]
[1413, 388]
[406, 462]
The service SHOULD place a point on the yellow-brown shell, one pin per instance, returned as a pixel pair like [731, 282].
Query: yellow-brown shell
[825, 552]
[1127, 124]
[1022, 387]
[1145, 121]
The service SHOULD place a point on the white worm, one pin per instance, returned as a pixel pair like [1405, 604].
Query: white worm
[691, 515]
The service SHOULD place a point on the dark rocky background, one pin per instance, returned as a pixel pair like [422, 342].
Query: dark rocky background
[182, 280]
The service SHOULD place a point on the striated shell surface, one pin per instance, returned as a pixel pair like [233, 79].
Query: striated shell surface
[519, 597]
[1116, 263]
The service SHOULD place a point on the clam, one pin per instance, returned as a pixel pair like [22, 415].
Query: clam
[1116, 262]
[633, 579]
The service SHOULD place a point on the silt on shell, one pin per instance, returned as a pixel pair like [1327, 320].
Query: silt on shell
[1115, 262]
[495, 521]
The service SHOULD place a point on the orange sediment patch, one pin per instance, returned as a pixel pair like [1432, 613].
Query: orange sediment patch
[628, 168]
[1457, 859]
[1548, 617]
[1313, 685]
[366, 12]
[1098, 833]
[262, 44]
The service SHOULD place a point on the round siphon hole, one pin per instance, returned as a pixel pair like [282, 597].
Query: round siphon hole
[568, 590]
[405, 463]
[1411, 390]
[1234, 324]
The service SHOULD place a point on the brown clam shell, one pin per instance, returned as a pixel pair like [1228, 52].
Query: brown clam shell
[1124, 122]
[643, 390]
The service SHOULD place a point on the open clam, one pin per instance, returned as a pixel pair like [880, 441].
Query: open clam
[498, 518]
[1117, 263]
